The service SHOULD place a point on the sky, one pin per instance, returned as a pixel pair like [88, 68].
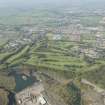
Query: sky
[7, 3]
[14, 6]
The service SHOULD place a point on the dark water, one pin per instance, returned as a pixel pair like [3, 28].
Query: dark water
[20, 82]
[20, 85]
[11, 98]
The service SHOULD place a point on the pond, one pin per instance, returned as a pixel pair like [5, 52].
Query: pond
[22, 82]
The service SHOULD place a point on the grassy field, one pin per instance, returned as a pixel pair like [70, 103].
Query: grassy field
[56, 56]
[13, 58]
[18, 55]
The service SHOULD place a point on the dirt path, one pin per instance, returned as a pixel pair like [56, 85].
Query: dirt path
[96, 88]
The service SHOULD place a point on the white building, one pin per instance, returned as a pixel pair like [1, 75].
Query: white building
[31, 95]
